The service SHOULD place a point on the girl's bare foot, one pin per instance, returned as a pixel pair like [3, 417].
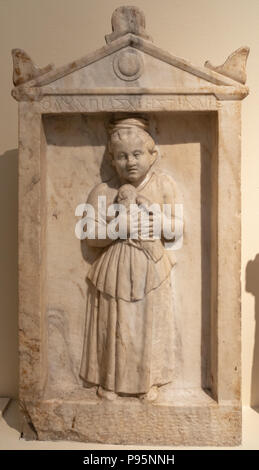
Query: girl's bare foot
[107, 394]
[151, 395]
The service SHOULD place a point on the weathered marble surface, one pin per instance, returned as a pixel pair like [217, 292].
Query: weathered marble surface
[235, 65]
[185, 420]
[195, 120]
[191, 157]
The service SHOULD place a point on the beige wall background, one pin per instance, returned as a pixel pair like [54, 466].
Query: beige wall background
[60, 31]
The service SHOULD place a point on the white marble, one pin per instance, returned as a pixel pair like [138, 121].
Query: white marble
[194, 116]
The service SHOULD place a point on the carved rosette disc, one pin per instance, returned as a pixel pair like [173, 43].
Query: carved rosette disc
[128, 65]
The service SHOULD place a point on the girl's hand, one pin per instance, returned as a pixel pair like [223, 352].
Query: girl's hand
[143, 201]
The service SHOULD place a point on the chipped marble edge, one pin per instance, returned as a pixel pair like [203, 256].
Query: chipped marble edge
[4, 402]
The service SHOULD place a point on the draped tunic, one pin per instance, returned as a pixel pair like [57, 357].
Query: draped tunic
[128, 344]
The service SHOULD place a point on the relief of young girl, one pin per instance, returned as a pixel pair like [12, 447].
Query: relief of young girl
[128, 344]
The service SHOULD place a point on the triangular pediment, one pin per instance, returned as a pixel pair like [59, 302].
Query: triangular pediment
[126, 68]
[128, 62]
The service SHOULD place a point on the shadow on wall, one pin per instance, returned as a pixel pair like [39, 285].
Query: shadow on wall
[252, 286]
[8, 273]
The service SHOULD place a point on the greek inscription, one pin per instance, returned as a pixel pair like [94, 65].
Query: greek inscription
[122, 103]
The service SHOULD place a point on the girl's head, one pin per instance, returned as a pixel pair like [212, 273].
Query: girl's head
[132, 149]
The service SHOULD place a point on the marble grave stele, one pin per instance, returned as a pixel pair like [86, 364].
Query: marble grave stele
[130, 334]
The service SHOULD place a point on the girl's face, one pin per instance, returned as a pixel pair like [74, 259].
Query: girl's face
[132, 159]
